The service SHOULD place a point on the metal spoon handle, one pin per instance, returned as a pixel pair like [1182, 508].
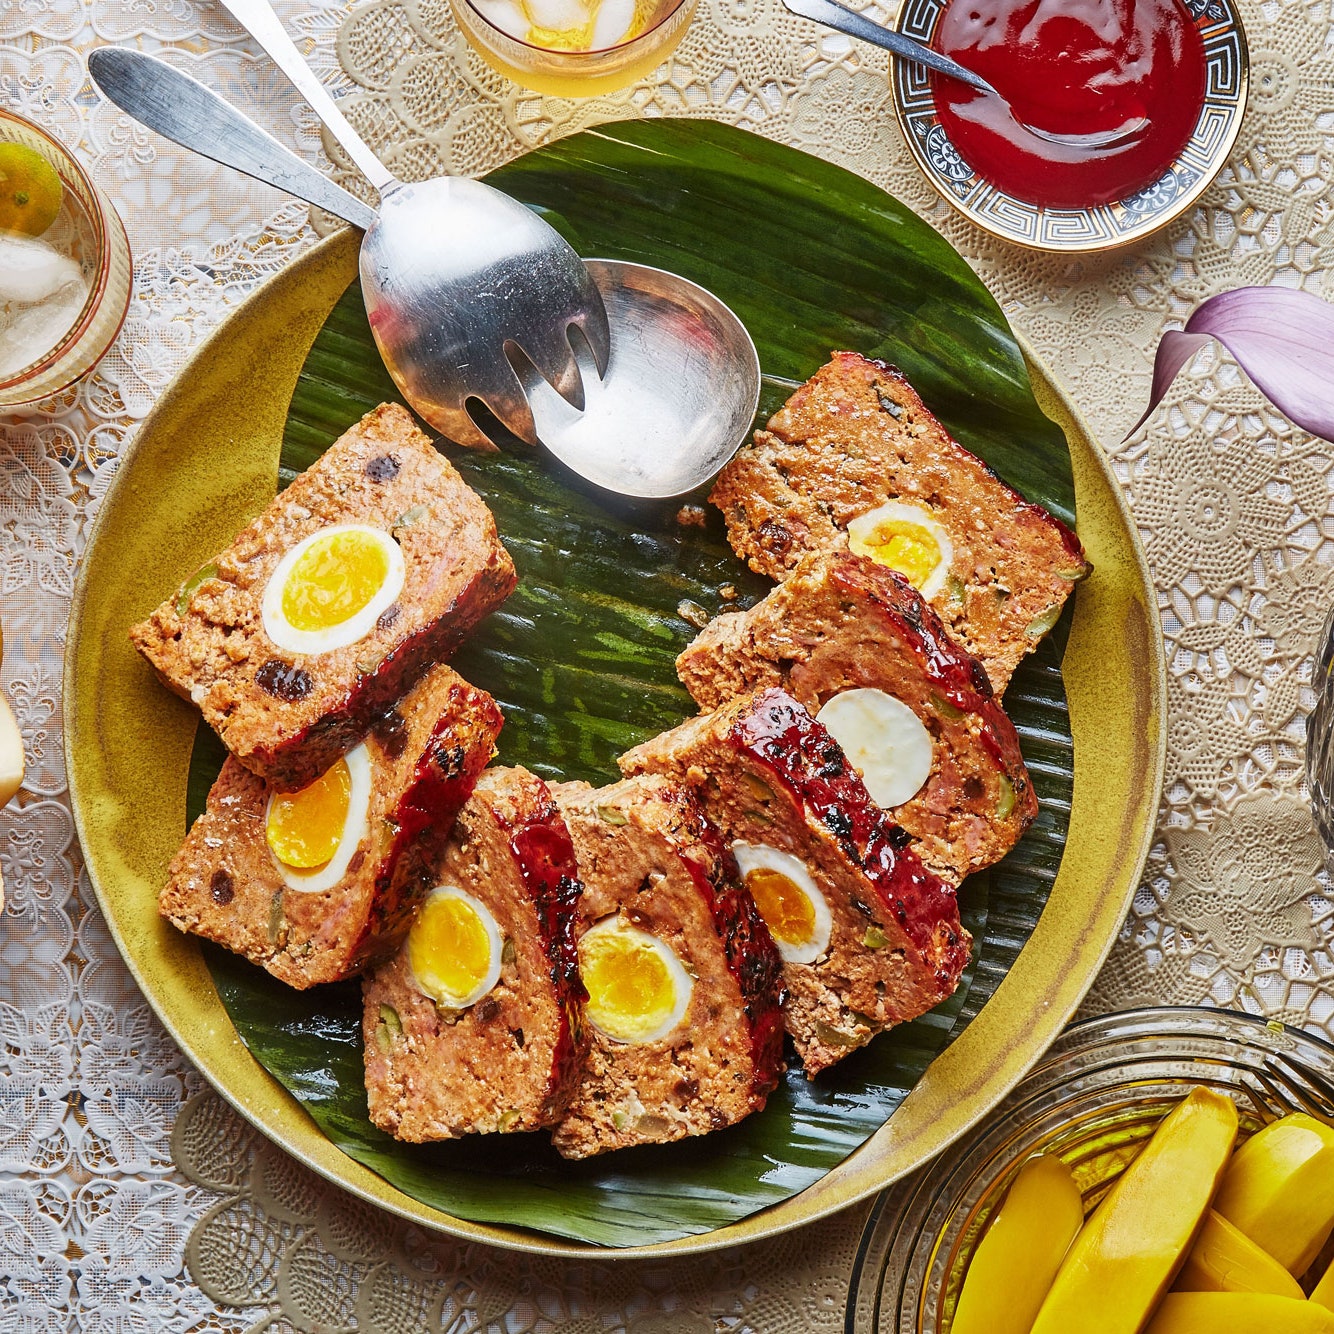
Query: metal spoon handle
[183, 110]
[852, 24]
[259, 20]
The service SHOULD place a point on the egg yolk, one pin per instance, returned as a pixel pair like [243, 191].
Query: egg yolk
[305, 828]
[903, 546]
[787, 910]
[631, 991]
[334, 579]
[449, 948]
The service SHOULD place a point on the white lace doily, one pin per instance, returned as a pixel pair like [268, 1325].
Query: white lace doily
[101, 1209]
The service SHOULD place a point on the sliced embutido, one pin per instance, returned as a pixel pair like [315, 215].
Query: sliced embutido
[855, 460]
[857, 646]
[475, 1025]
[870, 938]
[685, 1032]
[314, 884]
[371, 566]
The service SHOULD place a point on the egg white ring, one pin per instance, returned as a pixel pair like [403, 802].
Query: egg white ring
[761, 857]
[884, 740]
[495, 943]
[357, 626]
[683, 984]
[356, 825]
[862, 530]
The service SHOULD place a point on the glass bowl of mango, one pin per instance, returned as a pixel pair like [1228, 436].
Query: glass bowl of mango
[1164, 1171]
[65, 268]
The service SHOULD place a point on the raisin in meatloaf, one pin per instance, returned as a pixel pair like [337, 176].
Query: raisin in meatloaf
[313, 885]
[855, 458]
[683, 978]
[869, 937]
[843, 623]
[289, 654]
[475, 1025]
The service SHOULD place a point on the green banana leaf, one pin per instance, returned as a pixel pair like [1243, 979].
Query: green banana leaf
[581, 657]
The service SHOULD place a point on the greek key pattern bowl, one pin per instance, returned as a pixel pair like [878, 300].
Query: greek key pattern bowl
[1103, 226]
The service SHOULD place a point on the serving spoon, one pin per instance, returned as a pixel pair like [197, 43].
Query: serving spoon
[682, 378]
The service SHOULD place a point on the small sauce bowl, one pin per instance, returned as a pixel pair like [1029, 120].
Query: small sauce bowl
[104, 254]
[1093, 226]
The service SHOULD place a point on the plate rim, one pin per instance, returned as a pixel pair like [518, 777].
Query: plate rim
[277, 1115]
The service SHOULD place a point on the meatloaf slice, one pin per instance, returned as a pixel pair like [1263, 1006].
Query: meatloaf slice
[842, 622]
[507, 1059]
[685, 1028]
[288, 715]
[855, 445]
[870, 938]
[404, 784]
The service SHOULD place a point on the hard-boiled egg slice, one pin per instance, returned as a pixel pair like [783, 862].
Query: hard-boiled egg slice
[883, 739]
[907, 538]
[312, 834]
[788, 898]
[455, 948]
[638, 990]
[330, 589]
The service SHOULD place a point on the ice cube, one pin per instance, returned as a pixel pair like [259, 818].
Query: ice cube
[558, 15]
[505, 15]
[29, 332]
[31, 270]
[614, 21]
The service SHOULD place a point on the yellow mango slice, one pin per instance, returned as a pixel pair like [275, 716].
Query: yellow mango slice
[11, 753]
[1130, 1249]
[1238, 1313]
[1324, 1290]
[1016, 1260]
[1225, 1259]
[1279, 1190]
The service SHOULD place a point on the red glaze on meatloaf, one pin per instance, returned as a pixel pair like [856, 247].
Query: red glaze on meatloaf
[855, 436]
[288, 716]
[842, 622]
[779, 787]
[510, 1060]
[225, 884]
[651, 863]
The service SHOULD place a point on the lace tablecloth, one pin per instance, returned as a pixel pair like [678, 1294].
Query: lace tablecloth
[131, 1199]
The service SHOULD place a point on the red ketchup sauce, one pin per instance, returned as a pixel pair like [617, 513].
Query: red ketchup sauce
[1120, 84]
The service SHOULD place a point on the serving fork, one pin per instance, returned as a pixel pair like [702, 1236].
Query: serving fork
[462, 284]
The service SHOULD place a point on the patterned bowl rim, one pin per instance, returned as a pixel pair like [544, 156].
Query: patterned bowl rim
[1098, 227]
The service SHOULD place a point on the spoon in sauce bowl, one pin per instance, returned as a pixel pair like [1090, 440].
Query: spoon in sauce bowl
[992, 108]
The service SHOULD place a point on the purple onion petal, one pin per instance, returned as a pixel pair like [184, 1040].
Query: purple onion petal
[1282, 338]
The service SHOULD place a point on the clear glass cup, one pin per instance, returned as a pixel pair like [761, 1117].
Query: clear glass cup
[1094, 1101]
[89, 229]
[575, 73]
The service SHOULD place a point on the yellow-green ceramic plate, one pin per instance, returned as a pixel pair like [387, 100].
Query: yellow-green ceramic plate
[205, 461]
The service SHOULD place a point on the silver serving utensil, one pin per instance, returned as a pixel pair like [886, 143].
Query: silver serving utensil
[682, 381]
[852, 24]
[456, 277]
[679, 394]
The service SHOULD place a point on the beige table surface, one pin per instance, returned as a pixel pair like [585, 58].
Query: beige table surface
[107, 1221]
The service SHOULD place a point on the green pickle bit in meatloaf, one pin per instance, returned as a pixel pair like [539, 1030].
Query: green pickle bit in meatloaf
[855, 458]
[685, 1030]
[310, 924]
[870, 938]
[287, 714]
[843, 622]
[506, 1059]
